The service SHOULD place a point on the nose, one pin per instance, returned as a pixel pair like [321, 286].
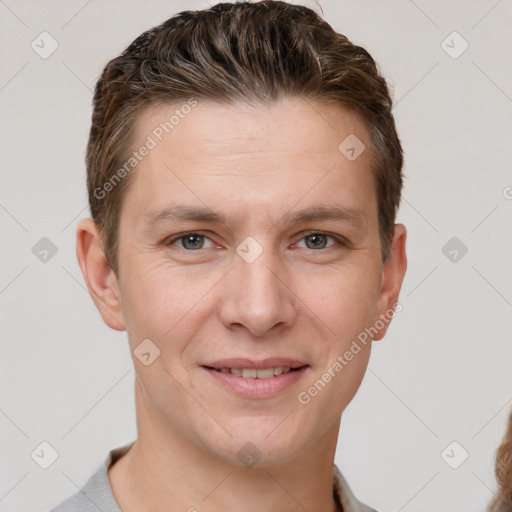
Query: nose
[256, 296]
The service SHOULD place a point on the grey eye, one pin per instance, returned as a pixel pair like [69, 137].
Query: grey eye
[317, 241]
[192, 241]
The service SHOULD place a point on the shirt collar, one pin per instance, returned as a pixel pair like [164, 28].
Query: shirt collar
[342, 492]
[345, 495]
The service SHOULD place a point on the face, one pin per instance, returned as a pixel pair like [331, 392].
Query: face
[249, 241]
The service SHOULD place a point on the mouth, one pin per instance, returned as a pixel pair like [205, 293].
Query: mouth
[256, 379]
[254, 373]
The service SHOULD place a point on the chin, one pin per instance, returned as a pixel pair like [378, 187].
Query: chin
[258, 441]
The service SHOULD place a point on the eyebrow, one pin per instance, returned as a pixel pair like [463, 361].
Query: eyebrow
[179, 213]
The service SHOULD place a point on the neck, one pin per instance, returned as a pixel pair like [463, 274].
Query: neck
[166, 472]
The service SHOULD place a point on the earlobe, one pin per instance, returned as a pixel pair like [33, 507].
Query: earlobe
[99, 277]
[392, 277]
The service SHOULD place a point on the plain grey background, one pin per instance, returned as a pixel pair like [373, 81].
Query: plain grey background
[441, 375]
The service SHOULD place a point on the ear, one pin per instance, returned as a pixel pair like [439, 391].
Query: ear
[99, 277]
[393, 274]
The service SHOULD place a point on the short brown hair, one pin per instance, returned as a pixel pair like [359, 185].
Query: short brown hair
[249, 52]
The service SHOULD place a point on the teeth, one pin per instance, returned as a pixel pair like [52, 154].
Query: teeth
[252, 373]
[266, 373]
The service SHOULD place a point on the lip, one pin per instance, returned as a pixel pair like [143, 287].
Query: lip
[257, 388]
[241, 363]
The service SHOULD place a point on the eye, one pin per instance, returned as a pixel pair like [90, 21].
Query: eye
[319, 241]
[191, 241]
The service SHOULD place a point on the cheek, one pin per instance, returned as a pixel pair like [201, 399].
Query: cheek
[346, 381]
[324, 398]
[151, 305]
[347, 301]
[165, 306]
[350, 307]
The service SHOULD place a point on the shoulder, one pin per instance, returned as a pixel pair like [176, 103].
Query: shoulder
[93, 496]
[97, 493]
[345, 495]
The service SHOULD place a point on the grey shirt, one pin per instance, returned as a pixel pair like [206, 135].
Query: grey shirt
[97, 496]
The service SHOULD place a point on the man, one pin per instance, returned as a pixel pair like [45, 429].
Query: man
[244, 173]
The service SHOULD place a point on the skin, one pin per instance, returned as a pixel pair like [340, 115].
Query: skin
[303, 297]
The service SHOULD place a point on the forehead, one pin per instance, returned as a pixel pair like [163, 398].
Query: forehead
[270, 154]
[212, 129]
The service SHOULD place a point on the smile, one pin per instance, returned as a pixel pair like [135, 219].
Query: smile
[252, 373]
[256, 383]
